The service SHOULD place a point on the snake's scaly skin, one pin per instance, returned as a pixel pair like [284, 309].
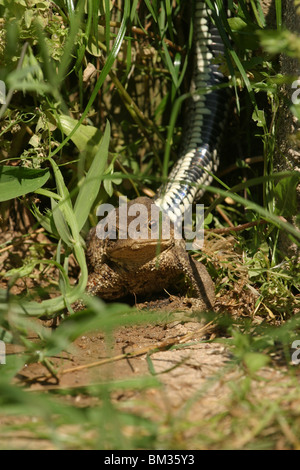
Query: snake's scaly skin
[206, 116]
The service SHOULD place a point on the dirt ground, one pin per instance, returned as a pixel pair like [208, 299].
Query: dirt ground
[195, 380]
[194, 372]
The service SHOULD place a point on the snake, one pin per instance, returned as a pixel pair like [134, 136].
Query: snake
[206, 115]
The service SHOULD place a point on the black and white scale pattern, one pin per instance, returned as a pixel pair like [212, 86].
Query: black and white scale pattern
[205, 122]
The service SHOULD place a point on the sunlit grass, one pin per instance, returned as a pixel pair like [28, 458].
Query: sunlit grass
[94, 101]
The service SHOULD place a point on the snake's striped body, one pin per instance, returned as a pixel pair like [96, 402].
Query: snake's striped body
[206, 116]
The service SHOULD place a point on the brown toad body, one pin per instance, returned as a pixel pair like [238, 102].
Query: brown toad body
[118, 267]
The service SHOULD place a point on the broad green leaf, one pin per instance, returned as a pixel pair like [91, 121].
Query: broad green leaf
[90, 186]
[84, 137]
[286, 196]
[259, 117]
[244, 34]
[16, 181]
[237, 24]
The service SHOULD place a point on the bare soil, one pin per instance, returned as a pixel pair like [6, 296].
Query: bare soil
[194, 372]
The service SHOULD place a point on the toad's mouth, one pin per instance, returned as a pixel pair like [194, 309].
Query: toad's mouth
[138, 250]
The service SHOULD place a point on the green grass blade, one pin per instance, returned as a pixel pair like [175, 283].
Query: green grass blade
[107, 24]
[75, 23]
[151, 9]
[264, 213]
[104, 72]
[230, 49]
[60, 223]
[67, 209]
[278, 7]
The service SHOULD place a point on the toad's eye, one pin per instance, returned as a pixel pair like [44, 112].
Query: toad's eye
[152, 225]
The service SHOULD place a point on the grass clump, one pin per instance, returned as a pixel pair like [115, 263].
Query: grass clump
[92, 108]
